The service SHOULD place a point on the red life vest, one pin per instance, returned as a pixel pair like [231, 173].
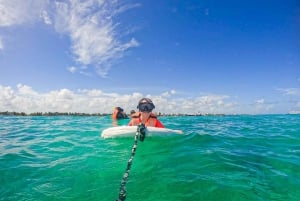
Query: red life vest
[136, 120]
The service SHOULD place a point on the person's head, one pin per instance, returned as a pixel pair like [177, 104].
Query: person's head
[119, 109]
[145, 105]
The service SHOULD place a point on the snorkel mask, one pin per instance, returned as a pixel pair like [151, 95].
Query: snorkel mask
[145, 105]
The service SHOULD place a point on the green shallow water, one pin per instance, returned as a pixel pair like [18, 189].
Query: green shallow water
[218, 158]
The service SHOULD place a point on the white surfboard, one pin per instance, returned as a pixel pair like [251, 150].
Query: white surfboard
[126, 131]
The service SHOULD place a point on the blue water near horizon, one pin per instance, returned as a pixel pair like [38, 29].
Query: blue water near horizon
[239, 157]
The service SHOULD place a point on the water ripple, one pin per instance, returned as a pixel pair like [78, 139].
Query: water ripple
[218, 158]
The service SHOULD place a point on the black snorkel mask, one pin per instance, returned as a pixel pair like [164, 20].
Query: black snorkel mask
[146, 106]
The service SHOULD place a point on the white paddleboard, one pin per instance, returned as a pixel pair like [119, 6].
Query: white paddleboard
[127, 131]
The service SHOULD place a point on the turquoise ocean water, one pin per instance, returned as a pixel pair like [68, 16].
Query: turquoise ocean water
[243, 157]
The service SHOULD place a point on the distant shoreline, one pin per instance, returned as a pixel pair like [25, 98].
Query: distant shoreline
[52, 114]
[88, 114]
[108, 114]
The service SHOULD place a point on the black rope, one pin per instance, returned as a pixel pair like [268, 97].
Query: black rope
[140, 134]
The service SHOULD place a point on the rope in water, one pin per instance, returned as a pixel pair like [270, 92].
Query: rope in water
[140, 134]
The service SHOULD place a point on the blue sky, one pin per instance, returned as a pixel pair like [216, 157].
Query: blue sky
[198, 56]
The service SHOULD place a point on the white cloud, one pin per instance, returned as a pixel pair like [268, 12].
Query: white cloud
[26, 90]
[46, 18]
[290, 91]
[90, 25]
[6, 95]
[95, 38]
[1, 44]
[17, 12]
[296, 108]
[261, 106]
[26, 99]
[72, 69]
[168, 93]
[260, 101]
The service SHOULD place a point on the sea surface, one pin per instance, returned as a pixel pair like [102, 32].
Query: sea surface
[218, 158]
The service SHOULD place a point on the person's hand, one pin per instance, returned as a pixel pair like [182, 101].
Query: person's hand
[142, 131]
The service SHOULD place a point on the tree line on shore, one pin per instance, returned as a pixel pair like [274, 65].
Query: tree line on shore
[52, 114]
[6, 113]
